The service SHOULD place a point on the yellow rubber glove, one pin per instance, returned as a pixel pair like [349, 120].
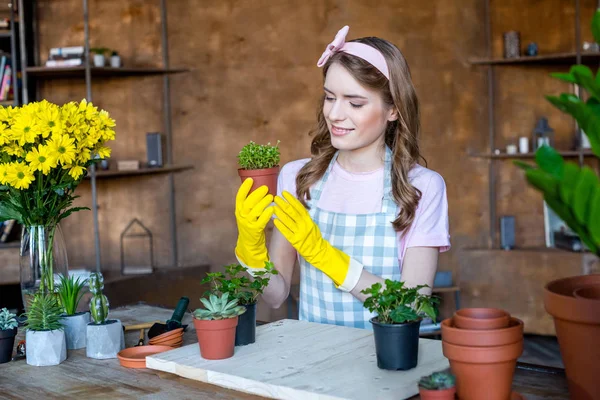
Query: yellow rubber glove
[252, 215]
[294, 222]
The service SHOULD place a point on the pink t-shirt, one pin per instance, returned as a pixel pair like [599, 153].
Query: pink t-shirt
[361, 193]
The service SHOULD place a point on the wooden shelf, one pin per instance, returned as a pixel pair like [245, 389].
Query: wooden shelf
[544, 59]
[10, 245]
[5, 34]
[79, 72]
[7, 103]
[100, 174]
[569, 153]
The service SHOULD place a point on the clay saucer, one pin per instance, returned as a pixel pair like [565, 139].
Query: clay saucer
[178, 331]
[169, 342]
[135, 357]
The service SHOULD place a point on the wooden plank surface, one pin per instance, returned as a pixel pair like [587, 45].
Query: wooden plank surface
[304, 360]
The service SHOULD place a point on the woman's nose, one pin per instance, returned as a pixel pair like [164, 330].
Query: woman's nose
[336, 113]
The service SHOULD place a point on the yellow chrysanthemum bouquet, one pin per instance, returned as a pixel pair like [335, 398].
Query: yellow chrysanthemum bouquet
[45, 150]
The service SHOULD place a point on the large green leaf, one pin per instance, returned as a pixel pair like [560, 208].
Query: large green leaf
[584, 190]
[592, 128]
[550, 161]
[566, 77]
[596, 26]
[568, 182]
[565, 214]
[543, 181]
[594, 221]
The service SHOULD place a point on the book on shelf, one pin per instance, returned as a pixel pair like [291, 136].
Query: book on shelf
[5, 84]
[65, 56]
[70, 62]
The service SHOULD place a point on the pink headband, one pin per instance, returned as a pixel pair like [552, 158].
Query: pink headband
[364, 51]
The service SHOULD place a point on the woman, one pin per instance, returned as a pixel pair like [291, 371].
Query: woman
[361, 210]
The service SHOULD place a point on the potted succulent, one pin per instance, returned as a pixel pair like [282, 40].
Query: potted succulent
[45, 342]
[70, 292]
[261, 163]
[99, 56]
[115, 59]
[399, 311]
[104, 337]
[246, 291]
[439, 385]
[215, 326]
[8, 331]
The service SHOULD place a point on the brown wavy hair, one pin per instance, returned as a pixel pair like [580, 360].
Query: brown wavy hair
[401, 135]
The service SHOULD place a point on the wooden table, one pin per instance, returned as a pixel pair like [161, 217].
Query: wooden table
[81, 377]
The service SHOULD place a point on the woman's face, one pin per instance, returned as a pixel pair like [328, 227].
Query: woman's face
[356, 116]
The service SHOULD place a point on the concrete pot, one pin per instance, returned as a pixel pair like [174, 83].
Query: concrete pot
[44, 348]
[76, 329]
[105, 340]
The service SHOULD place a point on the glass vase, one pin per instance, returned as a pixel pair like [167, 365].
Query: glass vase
[43, 257]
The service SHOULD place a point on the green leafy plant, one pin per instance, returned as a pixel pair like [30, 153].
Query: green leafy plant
[219, 307]
[70, 292]
[259, 156]
[98, 303]
[7, 320]
[396, 304]
[237, 285]
[99, 50]
[437, 381]
[44, 313]
[573, 193]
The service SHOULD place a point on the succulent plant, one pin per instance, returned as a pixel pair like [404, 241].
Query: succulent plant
[44, 313]
[219, 308]
[437, 381]
[70, 292]
[7, 320]
[99, 303]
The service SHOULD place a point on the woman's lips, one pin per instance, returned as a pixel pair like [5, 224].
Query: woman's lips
[336, 131]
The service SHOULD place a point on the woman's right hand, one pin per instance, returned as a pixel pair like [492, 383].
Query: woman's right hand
[252, 214]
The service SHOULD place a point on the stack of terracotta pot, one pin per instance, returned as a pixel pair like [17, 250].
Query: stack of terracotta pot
[575, 305]
[482, 345]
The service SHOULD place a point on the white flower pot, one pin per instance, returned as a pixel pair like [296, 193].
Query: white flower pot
[115, 61]
[104, 341]
[45, 348]
[99, 60]
[76, 329]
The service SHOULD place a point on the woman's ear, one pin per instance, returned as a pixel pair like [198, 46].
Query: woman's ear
[392, 114]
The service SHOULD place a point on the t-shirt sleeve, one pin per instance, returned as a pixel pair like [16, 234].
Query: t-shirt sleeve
[431, 227]
[287, 176]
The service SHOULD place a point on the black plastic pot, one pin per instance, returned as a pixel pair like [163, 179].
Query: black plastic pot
[7, 342]
[245, 332]
[396, 345]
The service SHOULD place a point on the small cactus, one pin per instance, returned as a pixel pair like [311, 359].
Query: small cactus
[7, 320]
[437, 381]
[99, 302]
[219, 308]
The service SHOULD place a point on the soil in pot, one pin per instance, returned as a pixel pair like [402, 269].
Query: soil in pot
[396, 345]
[481, 318]
[216, 338]
[577, 323]
[588, 292]
[245, 331]
[267, 176]
[444, 394]
[482, 338]
[7, 343]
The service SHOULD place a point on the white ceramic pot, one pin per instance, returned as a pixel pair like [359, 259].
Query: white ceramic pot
[76, 329]
[115, 61]
[44, 348]
[99, 60]
[105, 340]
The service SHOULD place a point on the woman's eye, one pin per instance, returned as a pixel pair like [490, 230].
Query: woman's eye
[356, 105]
[329, 98]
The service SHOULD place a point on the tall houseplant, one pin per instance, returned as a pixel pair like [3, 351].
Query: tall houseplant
[8, 331]
[70, 292]
[104, 337]
[574, 194]
[261, 163]
[238, 286]
[399, 311]
[45, 150]
[45, 338]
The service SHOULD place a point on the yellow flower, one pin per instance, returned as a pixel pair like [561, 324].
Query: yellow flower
[75, 170]
[84, 155]
[39, 159]
[104, 152]
[4, 134]
[13, 149]
[3, 173]
[87, 109]
[49, 119]
[7, 114]
[25, 129]
[19, 175]
[62, 147]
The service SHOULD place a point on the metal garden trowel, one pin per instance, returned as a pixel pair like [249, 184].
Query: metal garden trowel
[174, 322]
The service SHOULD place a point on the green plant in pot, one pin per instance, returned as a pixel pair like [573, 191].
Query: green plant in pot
[439, 385]
[45, 337]
[399, 311]
[8, 331]
[246, 290]
[215, 325]
[104, 337]
[70, 292]
[261, 163]
[573, 193]
[99, 56]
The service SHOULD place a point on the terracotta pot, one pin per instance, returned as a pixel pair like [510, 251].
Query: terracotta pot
[577, 323]
[216, 337]
[482, 338]
[261, 177]
[483, 372]
[445, 394]
[588, 292]
[481, 318]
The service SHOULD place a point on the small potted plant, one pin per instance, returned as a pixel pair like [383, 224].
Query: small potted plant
[261, 163]
[99, 56]
[115, 60]
[437, 386]
[8, 331]
[45, 342]
[70, 292]
[215, 326]
[399, 311]
[104, 337]
[246, 291]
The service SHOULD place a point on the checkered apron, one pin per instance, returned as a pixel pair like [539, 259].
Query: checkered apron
[368, 238]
